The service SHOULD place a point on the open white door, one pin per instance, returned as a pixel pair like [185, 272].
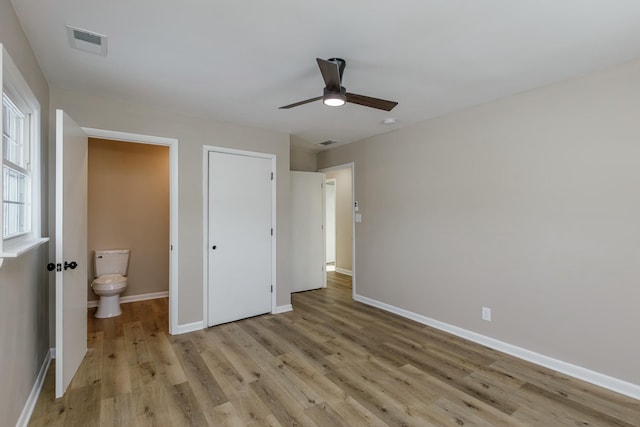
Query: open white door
[307, 234]
[71, 249]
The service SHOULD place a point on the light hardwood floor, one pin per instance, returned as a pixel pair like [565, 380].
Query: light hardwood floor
[330, 362]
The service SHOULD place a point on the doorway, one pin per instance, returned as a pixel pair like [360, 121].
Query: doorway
[343, 234]
[172, 247]
[330, 223]
[128, 208]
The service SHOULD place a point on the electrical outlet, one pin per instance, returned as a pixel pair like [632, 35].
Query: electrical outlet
[486, 314]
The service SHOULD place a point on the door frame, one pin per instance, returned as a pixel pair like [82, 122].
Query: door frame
[172, 143]
[351, 166]
[206, 149]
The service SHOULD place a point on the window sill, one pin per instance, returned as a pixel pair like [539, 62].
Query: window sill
[18, 247]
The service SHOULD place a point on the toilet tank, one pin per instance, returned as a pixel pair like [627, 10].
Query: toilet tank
[112, 262]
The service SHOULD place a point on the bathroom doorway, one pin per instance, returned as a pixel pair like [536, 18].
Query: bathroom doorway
[132, 204]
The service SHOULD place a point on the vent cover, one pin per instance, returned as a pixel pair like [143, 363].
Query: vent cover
[87, 41]
[328, 142]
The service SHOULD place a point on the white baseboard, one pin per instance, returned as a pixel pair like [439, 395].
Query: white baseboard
[602, 380]
[283, 309]
[30, 404]
[190, 327]
[343, 271]
[133, 298]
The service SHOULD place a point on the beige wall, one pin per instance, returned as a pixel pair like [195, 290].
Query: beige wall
[303, 160]
[528, 205]
[192, 133]
[129, 209]
[24, 289]
[344, 218]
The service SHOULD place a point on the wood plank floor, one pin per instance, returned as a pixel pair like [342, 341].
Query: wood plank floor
[330, 362]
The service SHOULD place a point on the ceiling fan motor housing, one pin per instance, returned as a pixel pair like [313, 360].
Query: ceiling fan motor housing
[334, 98]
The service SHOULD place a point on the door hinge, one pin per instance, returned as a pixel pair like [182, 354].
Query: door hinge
[271, 176]
[272, 231]
[171, 247]
[271, 288]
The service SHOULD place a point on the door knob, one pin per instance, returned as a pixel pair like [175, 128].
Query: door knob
[214, 247]
[72, 265]
[51, 266]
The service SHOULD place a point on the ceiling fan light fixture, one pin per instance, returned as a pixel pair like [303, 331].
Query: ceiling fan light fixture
[334, 98]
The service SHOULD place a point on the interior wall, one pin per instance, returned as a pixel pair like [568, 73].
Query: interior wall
[24, 287]
[128, 208]
[344, 219]
[193, 133]
[528, 205]
[303, 160]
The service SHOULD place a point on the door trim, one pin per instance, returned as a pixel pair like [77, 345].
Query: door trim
[351, 166]
[172, 143]
[206, 149]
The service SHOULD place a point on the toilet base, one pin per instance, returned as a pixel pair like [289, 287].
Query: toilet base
[108, 306]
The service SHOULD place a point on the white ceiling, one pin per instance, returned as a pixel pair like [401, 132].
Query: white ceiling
[237, 61]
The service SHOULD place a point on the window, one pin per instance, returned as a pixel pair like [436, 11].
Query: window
[16, 169]
[20, 176]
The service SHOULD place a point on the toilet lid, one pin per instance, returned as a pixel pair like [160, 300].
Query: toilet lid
[109, 279]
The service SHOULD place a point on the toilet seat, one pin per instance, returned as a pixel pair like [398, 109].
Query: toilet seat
[109, 282]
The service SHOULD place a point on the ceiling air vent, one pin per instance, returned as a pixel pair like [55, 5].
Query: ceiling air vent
[328, 142]
[87, 41]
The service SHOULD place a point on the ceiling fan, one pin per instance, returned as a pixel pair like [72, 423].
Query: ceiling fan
[335, 94]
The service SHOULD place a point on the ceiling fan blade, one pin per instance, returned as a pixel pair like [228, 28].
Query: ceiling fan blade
[330, 73]
[295, 104]
[367, 101]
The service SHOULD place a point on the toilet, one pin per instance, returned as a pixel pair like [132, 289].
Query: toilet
[110, 281]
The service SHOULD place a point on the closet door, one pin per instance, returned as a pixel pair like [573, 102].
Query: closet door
[239, 236]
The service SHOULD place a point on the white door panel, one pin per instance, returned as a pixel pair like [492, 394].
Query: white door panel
[71, 247]
[240, 197]
[307, 235]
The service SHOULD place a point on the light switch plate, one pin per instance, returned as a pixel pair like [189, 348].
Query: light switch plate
[358, 217]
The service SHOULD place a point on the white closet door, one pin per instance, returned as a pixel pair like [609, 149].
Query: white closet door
[307, 234]
[240, 227]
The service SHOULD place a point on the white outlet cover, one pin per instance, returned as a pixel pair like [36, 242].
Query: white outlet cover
[486, 314]
[358, 217]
